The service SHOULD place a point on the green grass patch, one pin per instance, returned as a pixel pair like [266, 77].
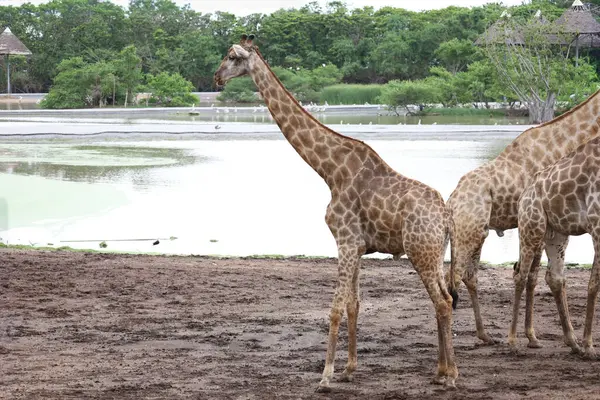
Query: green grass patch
[460, 111]
[350, 94]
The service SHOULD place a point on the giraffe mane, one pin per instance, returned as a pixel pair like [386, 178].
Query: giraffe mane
[293, 99]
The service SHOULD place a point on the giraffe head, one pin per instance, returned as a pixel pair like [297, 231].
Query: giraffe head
[238, 62]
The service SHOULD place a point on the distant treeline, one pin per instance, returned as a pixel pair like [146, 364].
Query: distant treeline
[367, 46]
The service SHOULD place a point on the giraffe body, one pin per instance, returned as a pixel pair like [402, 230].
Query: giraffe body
[563, 200]
[372, 209]
[487, 198]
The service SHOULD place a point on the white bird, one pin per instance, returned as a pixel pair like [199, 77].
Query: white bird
[419, 122]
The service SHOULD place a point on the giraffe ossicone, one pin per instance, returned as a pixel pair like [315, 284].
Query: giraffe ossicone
[373, 209]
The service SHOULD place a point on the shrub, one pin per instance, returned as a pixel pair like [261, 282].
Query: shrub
[404, 93]
[240, 90]
[171, 90]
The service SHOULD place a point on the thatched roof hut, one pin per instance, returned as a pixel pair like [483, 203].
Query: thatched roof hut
[503, 31]
[10, 44]
[578, 20]
[579, 26]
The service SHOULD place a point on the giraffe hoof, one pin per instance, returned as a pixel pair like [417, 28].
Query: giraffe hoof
[576, 350]
[323, 389]
[534, 344]
[589, 354]
[450, 385]
[346, 377]
[323, 386]
[513, 349]
[439, 380]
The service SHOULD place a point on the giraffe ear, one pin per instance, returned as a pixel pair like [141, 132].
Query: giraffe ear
[239, 51]
[250, 39]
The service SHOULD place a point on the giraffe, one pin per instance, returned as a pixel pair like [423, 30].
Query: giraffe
[372, 209]
[487, 197]
[563, 200]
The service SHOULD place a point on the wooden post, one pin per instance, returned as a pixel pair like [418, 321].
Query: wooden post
[577, 51]
[7, 75]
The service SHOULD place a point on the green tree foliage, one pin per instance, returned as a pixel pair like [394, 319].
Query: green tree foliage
[128, 66]
[311, 47]
[351, 94]
[171, 90]
[535, 69]
[242, 90]
[401, 94]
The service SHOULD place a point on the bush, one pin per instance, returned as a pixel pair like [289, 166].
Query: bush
[171, 90]
[350, 94]
[79, 84]
[404, 93]
[241, 90]
[306, 84]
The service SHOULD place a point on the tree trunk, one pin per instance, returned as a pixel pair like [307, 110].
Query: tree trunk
[541, 111]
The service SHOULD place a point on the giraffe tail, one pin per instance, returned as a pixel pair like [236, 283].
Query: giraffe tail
[452, 275]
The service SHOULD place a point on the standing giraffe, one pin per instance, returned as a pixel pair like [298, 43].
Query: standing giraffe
[487, 197]
[563, 200]
[372, 209]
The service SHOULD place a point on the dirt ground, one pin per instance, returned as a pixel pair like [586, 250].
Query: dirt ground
[104, 326]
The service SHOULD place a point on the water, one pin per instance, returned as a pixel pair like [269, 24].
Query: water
[237, 190]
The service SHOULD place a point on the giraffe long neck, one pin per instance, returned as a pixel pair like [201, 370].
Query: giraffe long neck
[332, 155]
[544, 145]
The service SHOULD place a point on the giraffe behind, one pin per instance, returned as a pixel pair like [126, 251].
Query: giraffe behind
[563, 200]
[487, 198]
[372, 209]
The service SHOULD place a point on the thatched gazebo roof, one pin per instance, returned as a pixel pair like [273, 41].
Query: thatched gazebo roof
[502, 31]
[10, 44]
[578, 19]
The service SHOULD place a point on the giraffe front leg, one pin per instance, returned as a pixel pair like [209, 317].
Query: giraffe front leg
[520, 276]
[534, 343]
[593, 286]
[470, 280]
[348, 262]
[352, 311]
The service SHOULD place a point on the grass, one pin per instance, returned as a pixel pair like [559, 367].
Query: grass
[460, 111]
[350, 94]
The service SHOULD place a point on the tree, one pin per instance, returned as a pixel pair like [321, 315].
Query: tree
[400, 94]
[128, 67]
[79, 84]
[455, 54]
[171, 90]
[239, 90]
[532, 64]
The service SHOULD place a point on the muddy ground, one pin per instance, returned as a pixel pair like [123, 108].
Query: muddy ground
[103, 326]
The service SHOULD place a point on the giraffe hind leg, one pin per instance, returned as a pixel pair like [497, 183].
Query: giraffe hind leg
[593, 286]
[435, 285]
